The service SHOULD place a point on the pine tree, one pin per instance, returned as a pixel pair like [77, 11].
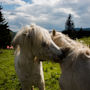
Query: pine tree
[69, 25]
[70, 28]
[5, 37]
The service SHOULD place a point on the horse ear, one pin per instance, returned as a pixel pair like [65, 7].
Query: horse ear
[53, 32]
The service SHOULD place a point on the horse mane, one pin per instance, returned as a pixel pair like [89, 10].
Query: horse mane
[77, 47]
[74, 46]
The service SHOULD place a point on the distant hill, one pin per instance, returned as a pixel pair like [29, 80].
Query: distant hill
[78, 33]
[84, 29]
[12, 34]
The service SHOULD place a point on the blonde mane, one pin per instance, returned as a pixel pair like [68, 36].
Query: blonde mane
[80, 48]
[66, 42]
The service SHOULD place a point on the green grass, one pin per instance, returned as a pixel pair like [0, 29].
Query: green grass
[8, 78]
[9, 81]
[86, 40]
[51, 74]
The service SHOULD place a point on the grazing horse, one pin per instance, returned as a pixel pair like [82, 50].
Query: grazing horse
[75, 65]
[33, 43]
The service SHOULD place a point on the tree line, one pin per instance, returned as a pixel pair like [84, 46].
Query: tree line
[72, 31]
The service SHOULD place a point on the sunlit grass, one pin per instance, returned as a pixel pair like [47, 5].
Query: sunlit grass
[86, 40]
[9, 81]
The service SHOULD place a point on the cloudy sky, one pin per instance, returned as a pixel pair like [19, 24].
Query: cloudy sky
[50, 14]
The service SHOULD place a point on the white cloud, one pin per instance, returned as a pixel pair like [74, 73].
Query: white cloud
[70, 1]
[16, 2]
[46, 2]
[47, 13]
[66, 11]
[9, 15]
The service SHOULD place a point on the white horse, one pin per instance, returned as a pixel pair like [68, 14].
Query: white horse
[33, 43]
[75, 64]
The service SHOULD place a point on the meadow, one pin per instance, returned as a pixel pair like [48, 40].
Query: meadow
[9, 80]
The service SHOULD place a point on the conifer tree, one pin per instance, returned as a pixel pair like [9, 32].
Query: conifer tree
[69, 25]
[5, 37]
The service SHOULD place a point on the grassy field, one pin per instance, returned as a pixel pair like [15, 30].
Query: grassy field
[8, 78]
[86, 40]
[9, 81]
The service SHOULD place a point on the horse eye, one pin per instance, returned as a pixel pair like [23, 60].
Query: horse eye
[44, 44]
